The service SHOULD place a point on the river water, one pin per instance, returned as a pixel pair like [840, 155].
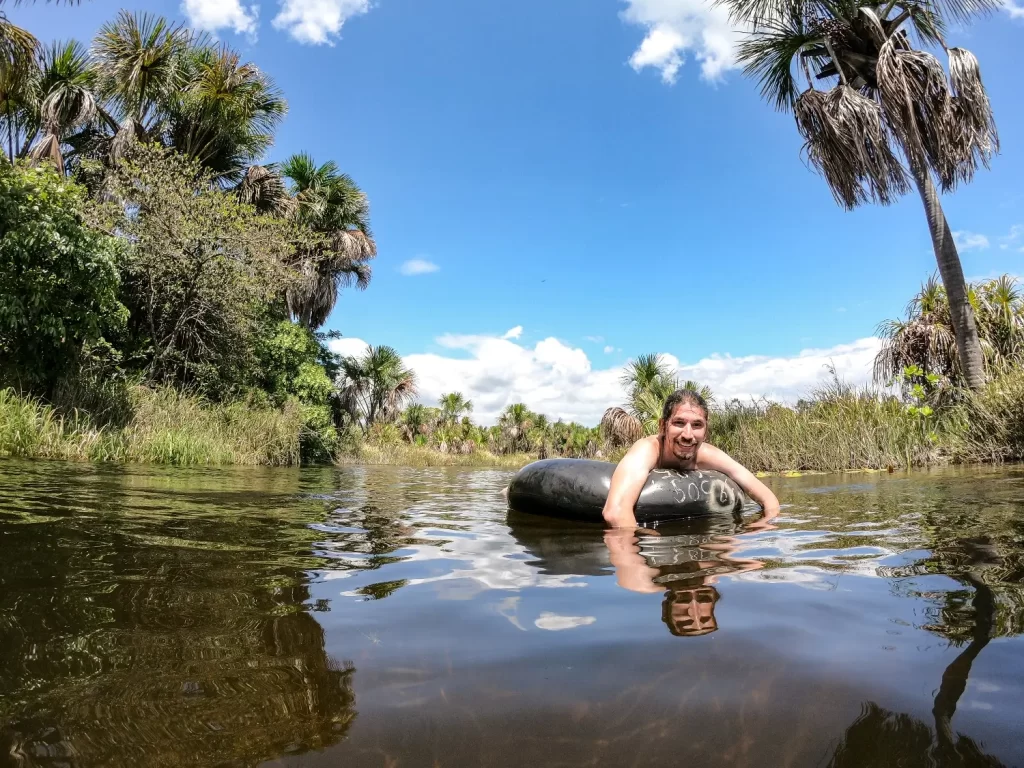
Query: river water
[384, 616]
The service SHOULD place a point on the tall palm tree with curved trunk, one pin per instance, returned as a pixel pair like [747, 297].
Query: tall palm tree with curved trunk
[891, 118]
[333, 207]
[374, 387]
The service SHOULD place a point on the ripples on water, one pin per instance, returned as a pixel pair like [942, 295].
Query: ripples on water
[398, 617]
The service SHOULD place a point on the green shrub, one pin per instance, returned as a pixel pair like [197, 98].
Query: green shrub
[58, 277]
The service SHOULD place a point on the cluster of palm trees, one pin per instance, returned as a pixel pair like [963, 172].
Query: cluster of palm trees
[926, 338]
[449, 429]
[648, 382]
[146, 80]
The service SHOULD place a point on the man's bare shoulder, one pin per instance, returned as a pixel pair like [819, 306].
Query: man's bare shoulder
[709, 457]
[647, 445]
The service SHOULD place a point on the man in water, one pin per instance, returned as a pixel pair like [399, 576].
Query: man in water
[678, 445]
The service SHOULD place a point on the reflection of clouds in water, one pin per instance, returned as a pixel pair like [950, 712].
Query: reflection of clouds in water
[791, 549]
[811, 578]
[494, 562]
[555, 623]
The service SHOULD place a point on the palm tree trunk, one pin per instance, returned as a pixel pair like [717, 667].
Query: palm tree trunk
[965, 329]
[10, 133]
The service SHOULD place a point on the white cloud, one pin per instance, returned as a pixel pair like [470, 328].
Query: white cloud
[513, 333]
[969, 241]
[677, 27]
[595, 339]
[214, 15]
[317, 22]
[418, 267]
[1015, 11]
[609, 349]
[347, 347]
[559, 380]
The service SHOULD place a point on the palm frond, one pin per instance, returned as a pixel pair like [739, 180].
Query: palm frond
[263, 188]
[972, 124]
[917, 106]
[769, 55]
[48, 150]
[846, 141]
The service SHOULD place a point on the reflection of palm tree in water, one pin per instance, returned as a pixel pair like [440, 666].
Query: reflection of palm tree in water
[684, 564]
[880, 737]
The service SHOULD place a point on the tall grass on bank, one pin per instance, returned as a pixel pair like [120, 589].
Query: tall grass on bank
[411, 455]
[164, 427]
[989, 425]
[840, 428]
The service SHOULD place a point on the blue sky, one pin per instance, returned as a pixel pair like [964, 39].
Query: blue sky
[538, 154]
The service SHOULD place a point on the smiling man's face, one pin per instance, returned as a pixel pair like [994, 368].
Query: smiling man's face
[685, 429]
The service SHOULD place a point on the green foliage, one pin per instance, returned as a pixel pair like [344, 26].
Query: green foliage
[289, 363]
[200, 271]
[58, 278]
[925, 338]
[839, 428]
[373, 387]
[293, 363]
[990, 423]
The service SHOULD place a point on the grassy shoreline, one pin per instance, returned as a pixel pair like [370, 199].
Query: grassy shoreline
[840, 430]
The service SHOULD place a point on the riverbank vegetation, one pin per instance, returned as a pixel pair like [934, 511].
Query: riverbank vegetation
[163, 292]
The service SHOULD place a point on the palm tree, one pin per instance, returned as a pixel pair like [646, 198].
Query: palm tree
[375, 386]
[648, 381]
[226, 113]
[17, 64]
[140, 62]
[926, 339]
[515, 424]
[889, 100]
[416, 421]
[330, 204]
[65, 99]
[453, 405]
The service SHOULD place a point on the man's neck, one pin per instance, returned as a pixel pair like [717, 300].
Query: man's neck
[668, 460]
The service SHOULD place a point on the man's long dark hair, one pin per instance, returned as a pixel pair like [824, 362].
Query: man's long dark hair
[684, 396]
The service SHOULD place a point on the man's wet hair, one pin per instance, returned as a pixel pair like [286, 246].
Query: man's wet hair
[684, 396]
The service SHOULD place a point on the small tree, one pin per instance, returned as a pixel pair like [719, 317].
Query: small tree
[201, 269]
[58, 277]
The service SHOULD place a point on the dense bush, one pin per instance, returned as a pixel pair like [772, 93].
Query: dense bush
[58, 277]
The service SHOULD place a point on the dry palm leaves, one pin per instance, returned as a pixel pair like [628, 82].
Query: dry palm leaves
[620, 427]
[48, 149]
[846, 141]
[972, 126]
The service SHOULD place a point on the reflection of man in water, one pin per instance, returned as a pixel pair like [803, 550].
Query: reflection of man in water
[690, 612]
[685, 567]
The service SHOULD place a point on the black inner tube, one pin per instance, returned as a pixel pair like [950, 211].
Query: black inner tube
[576, 489]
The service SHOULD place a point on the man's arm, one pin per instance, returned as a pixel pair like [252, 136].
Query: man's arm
[628, 480]
[713, 458]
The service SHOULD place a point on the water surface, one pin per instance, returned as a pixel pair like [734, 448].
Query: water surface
[383, 616]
